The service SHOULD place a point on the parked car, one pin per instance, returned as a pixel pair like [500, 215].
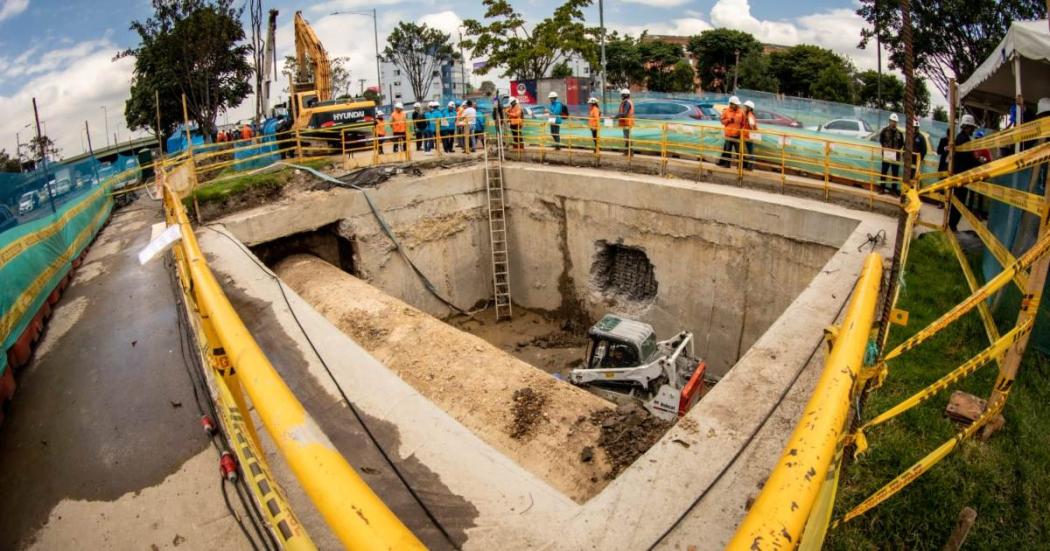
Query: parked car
[854, 128]
[765, 117]
[662, 110]
[63, 186]
[28, 202]
[7, 218]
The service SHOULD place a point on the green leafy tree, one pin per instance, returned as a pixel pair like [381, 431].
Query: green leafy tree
[833, 84]
[419, 51]
[191, 47]
[660, 60]
[9, 163]
[623, 61]
[950, 38]
[370, 94]
[797, 68]
[487, 87]
[715, 51]
[561, 70]
[525, 51]
[755, 73]
[940, 113]
[891, 92]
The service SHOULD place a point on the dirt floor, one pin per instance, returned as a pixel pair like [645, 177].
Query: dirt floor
[530, 337]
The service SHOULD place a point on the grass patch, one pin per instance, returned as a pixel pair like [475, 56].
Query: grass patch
[269, 182]
[1007, 480]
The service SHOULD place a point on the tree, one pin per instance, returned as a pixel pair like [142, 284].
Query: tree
[561, 70]
[715, 51]
[756, 74]
[191, 47]
[340, 73]
[662, 70]
[940, 114]
[623, 62]
[892, 92]
[419, 50]
[487, 87]
[9, 163]
[950, 38]
[524, 51]
[50, 149]
[833, 84]
[798, 68]
[371, 94]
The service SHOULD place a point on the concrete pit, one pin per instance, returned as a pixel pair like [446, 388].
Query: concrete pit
[751, 274]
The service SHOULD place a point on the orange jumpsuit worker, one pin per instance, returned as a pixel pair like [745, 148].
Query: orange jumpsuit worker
[594, 116]
[750, 123]
[514, 119]
[246, 132]
[380, 131]
[732, 120]
[626, 118]
[399, 124]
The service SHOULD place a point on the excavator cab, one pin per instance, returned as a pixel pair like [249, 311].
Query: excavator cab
[617, 342]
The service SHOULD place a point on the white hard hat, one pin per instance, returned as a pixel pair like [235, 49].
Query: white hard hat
[433, 104]
[451, 104]
[625, 92]
[399, 105]
[379, 113]
[968, 120]
[749, 103]
[592, 100]
[733, 100]
[894, 117]
[552, 95]
[1043, 106]
[514, 100]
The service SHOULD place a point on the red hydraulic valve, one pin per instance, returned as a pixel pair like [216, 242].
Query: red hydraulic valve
[228, 466]
[208, 424]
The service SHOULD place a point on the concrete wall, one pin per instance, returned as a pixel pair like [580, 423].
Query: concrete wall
[726, 266]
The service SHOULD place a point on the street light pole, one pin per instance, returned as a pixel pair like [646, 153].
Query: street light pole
[601, 24]
[43, 157]
[105, 114]
[375, 37]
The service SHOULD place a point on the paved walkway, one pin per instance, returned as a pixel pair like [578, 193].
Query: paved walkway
[102, 448]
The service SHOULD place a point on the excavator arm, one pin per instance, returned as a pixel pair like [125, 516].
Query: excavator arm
[310, 57]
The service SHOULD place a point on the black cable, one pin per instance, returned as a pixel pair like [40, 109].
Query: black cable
[353, 409]
[196, 377]
[750, 438]
[229, 507]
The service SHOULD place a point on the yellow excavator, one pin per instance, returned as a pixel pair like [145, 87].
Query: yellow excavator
[311, 103]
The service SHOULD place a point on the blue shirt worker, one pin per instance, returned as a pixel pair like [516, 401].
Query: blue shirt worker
[555, 118]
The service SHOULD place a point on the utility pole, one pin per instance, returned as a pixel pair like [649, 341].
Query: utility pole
[91, 151]
[43, 157]
[462, 62]
[601, 25]
[375, 36]
[736, 69]
[106, 115]
[361, 82]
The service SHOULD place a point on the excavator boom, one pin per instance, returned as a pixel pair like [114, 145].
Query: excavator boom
[310, 57]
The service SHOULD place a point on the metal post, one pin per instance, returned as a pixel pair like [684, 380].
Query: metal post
[91, 151]
[375, 36]
[953, 99]
[18, 151]
[736, 70]
[43, 157]
[105, 114]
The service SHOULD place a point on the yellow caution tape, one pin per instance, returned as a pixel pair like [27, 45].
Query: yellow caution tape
[1004, 277]
[1006, 165]
[990, 328]
[993, 244]
[1014, 197]
[1032, 130]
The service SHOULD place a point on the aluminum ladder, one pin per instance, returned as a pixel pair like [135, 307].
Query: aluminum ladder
[498, 227]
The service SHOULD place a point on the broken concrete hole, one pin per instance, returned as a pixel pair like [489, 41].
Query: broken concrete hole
[722, 266]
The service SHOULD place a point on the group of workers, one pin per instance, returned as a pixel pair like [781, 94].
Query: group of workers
[624, 118]
[233, 134]
[738, 120]
[453, 126]
[891, 138]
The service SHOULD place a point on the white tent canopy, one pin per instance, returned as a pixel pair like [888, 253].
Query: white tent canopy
[1024, 53]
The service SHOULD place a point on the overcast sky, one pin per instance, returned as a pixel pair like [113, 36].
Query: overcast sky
[62, 52]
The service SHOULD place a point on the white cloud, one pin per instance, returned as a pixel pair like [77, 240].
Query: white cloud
[445, 21]
[682, 27]
[11, 8]
[659, 3]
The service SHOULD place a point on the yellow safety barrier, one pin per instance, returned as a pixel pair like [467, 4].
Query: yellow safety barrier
[784, 506]
[1031, 130]
[1006, 165]
[351, 509]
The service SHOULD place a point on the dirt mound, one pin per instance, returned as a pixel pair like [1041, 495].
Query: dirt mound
[626, 433]
[559, 339]
[528, 410]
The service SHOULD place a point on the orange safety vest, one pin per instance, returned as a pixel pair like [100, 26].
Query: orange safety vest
[460, 119]
[514, 115]
[593, 117]
[732, 120]
[397, 122]
[380, 128]
[246, 132]
[627, 120]
[749, 124]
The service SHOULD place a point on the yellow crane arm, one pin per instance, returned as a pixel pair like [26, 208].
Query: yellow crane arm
[311, 57]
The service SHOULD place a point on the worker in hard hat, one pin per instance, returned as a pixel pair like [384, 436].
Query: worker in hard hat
[419, 125]
[515, 120]
[594, 120]
[749, 123]
[625, 119]
[555, 118]
[918, 148]
[470, 119]
[961, 162]
[399, 127]
[892, 141]
[379, 134]
[461, 126]
[732, 122]
[433, 117]
[448, 127]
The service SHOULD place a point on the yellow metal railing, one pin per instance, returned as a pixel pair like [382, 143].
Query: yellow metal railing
[351, 509]
[781, 511]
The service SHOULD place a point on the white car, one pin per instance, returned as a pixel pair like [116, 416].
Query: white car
[27, 202]
[854, 128]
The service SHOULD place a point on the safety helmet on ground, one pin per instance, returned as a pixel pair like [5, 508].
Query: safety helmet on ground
[552, 95]
[733, 100]
[1043, 106]
[592, 100]
[451, 104]
[514, 100]
[399, 105]
[894, 117]
[625, 92]
[749, 104]
[968, 120]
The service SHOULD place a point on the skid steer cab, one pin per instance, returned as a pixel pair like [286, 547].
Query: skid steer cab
[625, 363]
